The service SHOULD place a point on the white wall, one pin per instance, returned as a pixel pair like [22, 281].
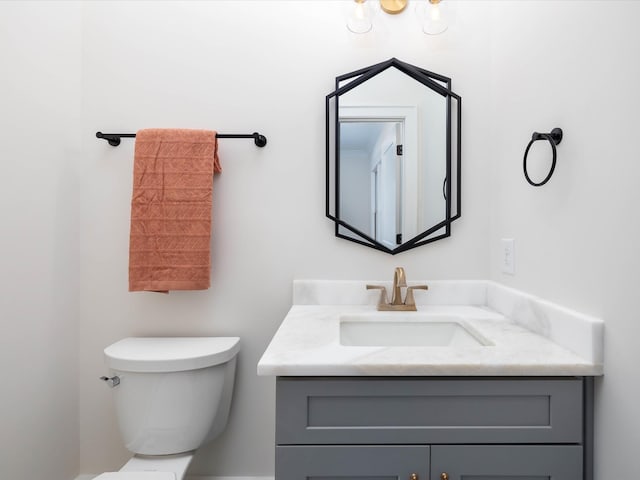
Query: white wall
[575, 66]
[240, 67]
[39, 151]
[243, 66]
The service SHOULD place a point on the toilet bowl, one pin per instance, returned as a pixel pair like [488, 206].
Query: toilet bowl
[172, 395]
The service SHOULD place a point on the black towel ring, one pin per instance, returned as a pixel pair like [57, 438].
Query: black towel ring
[554, 138]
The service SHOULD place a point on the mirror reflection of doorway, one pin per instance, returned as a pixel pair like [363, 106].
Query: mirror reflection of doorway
[387, 187]
[369, 150]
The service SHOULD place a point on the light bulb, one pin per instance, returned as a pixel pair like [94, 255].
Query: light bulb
[435, 21]
[359, 20]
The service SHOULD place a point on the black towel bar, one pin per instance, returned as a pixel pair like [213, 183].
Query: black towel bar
[114, 138]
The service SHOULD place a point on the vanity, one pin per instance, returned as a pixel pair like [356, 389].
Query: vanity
[481, 382]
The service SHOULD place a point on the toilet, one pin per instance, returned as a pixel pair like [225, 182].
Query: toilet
[172, 395]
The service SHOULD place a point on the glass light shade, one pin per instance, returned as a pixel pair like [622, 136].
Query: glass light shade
[359, 20]
[435, 21]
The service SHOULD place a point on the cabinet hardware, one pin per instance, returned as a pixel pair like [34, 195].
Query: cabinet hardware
[413, 476]
[444, 476]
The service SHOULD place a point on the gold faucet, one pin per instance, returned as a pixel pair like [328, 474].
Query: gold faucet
[396, 304]
[399, 281]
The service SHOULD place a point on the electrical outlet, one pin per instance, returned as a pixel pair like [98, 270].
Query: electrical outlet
[507, 256]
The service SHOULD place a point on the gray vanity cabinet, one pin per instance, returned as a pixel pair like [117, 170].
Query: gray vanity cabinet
[408, 428]
[506, 462]
[362, 462]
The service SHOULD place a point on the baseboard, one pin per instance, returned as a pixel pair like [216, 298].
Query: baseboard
[212, 477]
[189, 477]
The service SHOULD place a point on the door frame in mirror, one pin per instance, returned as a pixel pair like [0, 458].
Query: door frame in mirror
[410, 183]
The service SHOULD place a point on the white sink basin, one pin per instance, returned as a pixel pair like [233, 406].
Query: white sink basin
[398, 329]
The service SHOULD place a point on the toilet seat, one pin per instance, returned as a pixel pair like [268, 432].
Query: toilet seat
[136, 476]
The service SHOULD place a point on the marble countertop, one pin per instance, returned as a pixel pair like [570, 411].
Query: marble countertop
[307, 342]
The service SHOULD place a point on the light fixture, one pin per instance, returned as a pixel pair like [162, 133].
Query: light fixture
[393, 7]
[359, 20]
[435, 21]
[431, 13]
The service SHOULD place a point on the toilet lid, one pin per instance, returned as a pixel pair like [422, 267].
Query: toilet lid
[136, 476]
[170, 354]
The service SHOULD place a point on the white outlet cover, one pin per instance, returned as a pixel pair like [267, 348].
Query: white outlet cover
[507, 256]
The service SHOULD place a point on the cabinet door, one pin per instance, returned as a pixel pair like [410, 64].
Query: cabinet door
[377, 462]
[509, 462]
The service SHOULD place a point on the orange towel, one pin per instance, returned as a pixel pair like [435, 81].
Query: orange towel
[169, 246]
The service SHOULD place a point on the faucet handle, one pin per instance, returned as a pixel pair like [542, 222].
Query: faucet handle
[383, 293]
[409, 299]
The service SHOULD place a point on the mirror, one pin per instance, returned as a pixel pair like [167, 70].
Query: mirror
[390, 145]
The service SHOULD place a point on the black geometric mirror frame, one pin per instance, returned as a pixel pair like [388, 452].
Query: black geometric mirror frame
[451, 190]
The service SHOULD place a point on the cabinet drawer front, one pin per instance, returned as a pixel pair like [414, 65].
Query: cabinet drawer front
[478, 462]
[427, 410]
[352, 462]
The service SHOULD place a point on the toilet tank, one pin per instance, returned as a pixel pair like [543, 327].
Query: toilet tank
[174, 392]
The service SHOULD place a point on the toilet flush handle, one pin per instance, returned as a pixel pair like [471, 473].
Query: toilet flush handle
[111, 381]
